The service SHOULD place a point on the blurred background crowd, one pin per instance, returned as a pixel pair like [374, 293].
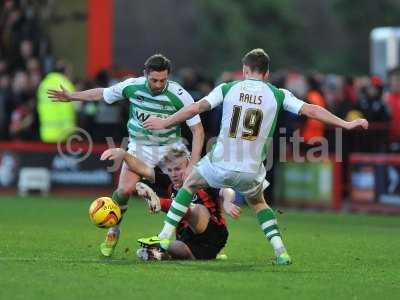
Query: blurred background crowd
[26, 57]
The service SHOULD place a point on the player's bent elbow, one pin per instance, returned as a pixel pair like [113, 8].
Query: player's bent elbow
[204, 105]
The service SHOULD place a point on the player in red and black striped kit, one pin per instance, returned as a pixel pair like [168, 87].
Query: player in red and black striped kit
[202, 233]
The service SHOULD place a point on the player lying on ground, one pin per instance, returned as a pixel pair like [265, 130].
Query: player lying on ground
[202, 232]
[250, 111]
[150, 95]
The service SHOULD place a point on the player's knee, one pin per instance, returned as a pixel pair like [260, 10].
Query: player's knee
[179, 250]
[256, 202]
[199, 218]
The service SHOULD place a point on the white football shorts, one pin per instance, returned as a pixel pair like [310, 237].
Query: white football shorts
[248, 184]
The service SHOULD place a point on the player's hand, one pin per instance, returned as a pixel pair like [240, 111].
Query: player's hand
[363, 123]
[153, 201]
[232, 210]
[113, 154]
[61, 95]
[155, 123]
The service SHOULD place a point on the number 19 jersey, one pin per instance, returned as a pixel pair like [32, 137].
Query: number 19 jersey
[249, 117]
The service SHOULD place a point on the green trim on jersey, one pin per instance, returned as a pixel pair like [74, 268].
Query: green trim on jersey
[143, 101]
[152, 101]
[154, 110]
[279, 97]
[227, 86]
[148, 132]
[176, 102]
[130, 90]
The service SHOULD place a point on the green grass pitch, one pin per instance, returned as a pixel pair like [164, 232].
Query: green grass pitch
[49, 250]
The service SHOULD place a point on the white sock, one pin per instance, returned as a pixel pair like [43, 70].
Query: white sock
[278, 246]
[167, 232]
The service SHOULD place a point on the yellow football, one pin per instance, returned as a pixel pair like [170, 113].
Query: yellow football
[104, 212]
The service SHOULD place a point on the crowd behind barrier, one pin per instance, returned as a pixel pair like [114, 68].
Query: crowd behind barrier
[26, 58]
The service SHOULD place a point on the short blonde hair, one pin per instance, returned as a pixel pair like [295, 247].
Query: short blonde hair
[173, 154]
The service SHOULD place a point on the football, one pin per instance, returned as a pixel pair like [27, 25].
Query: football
[104, 212]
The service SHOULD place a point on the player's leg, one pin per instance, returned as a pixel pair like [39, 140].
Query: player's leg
[179, 250]
[190, 241]
[269, 225]
[181, 203]
[177, 211]
[198, 218]
[198, 221]
[126, 186]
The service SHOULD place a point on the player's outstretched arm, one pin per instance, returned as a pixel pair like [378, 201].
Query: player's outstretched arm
[228, 198]
[180, 116]
[323, 115]
[134, 164]
[197, 145]
[62, 95]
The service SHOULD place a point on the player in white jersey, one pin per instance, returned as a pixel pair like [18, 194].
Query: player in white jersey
[250, 110]
[150, 95]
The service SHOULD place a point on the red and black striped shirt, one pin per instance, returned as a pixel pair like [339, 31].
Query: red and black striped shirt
[208, 197]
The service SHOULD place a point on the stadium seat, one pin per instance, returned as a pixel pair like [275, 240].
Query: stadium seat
[34, 179]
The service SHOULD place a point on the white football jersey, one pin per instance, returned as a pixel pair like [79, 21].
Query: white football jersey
[250, 111]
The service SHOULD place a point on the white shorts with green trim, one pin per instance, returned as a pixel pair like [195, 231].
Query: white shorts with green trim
[248, 184]
[152, 155]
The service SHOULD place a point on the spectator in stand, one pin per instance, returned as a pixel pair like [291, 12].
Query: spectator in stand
[345, 103]
[23, 112]
[371, 103]
[393, 100]
[372, 107]
[22, 120]
[21, 87]
[34, 72]
[189, 79]
[25, 54]
[5, 105]
[56, 120]
[107, 118]
[314, 129]
[349, 90]
[296, 83]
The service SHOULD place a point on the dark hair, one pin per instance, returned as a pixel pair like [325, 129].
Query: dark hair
[157, 62]
[257, 60]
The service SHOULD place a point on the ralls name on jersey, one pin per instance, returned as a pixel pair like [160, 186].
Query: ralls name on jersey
[252, 99]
